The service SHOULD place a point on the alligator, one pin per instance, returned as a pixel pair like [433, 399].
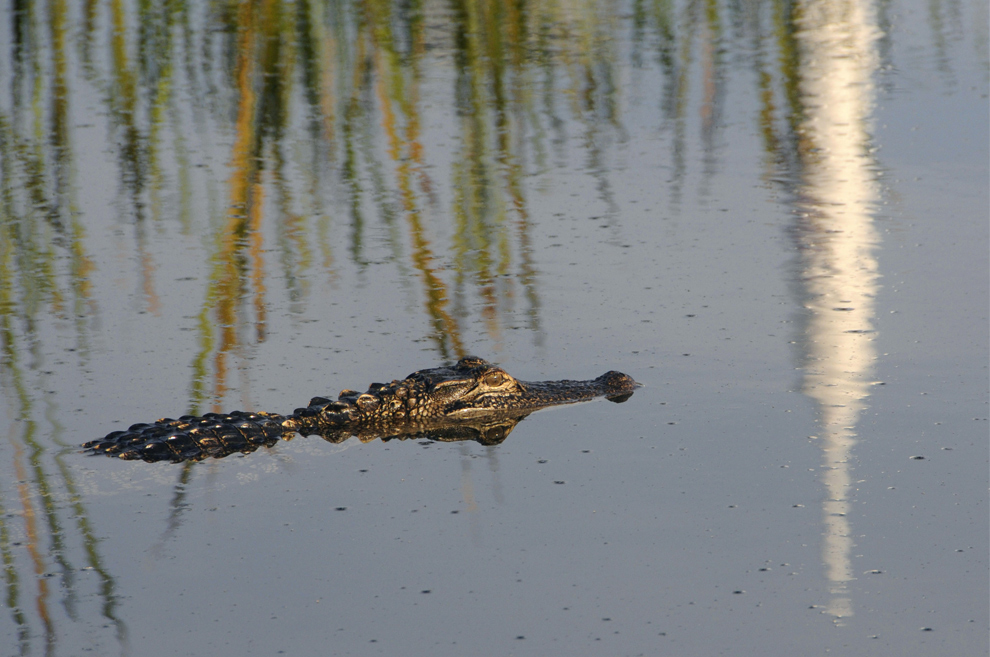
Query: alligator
[471, 400]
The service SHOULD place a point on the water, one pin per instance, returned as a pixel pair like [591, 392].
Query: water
[773, 217]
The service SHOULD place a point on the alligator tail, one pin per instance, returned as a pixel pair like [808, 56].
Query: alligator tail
[193, 438]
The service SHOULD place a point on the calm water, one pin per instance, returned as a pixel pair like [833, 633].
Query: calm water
[772, 214]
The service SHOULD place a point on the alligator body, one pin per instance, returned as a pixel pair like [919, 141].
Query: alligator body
[472, 400]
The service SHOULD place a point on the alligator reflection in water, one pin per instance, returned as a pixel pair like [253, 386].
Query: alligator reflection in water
[473, 400]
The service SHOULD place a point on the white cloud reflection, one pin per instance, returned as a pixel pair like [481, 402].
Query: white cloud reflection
[836, 236]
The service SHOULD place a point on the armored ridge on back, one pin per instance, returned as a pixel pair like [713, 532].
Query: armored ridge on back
[471, 400]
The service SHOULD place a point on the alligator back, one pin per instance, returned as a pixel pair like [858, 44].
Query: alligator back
[192, 438]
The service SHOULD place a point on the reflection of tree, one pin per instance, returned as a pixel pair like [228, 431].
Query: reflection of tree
[238, 240]
[44, 272]
[354, 72]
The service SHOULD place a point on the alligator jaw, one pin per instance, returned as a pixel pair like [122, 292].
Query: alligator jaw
[534, 395]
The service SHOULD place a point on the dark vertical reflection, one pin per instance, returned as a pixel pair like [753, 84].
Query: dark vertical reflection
[90, 543]
[12, 585]
[677, 58]
[176, 508]
[397, 37]
[596, 82]
[714, 76]
[42, 597]
[123, 101]
[44, 277]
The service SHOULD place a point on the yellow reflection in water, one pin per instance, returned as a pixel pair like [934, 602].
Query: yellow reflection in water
[838, 272]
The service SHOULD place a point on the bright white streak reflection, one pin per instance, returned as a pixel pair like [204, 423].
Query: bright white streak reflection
[836, 238]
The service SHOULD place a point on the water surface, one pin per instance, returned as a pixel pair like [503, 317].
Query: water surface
[772, 214]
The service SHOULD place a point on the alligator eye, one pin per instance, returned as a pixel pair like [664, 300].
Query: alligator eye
[494, 379]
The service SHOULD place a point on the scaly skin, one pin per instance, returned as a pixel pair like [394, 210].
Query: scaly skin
[446, 403]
